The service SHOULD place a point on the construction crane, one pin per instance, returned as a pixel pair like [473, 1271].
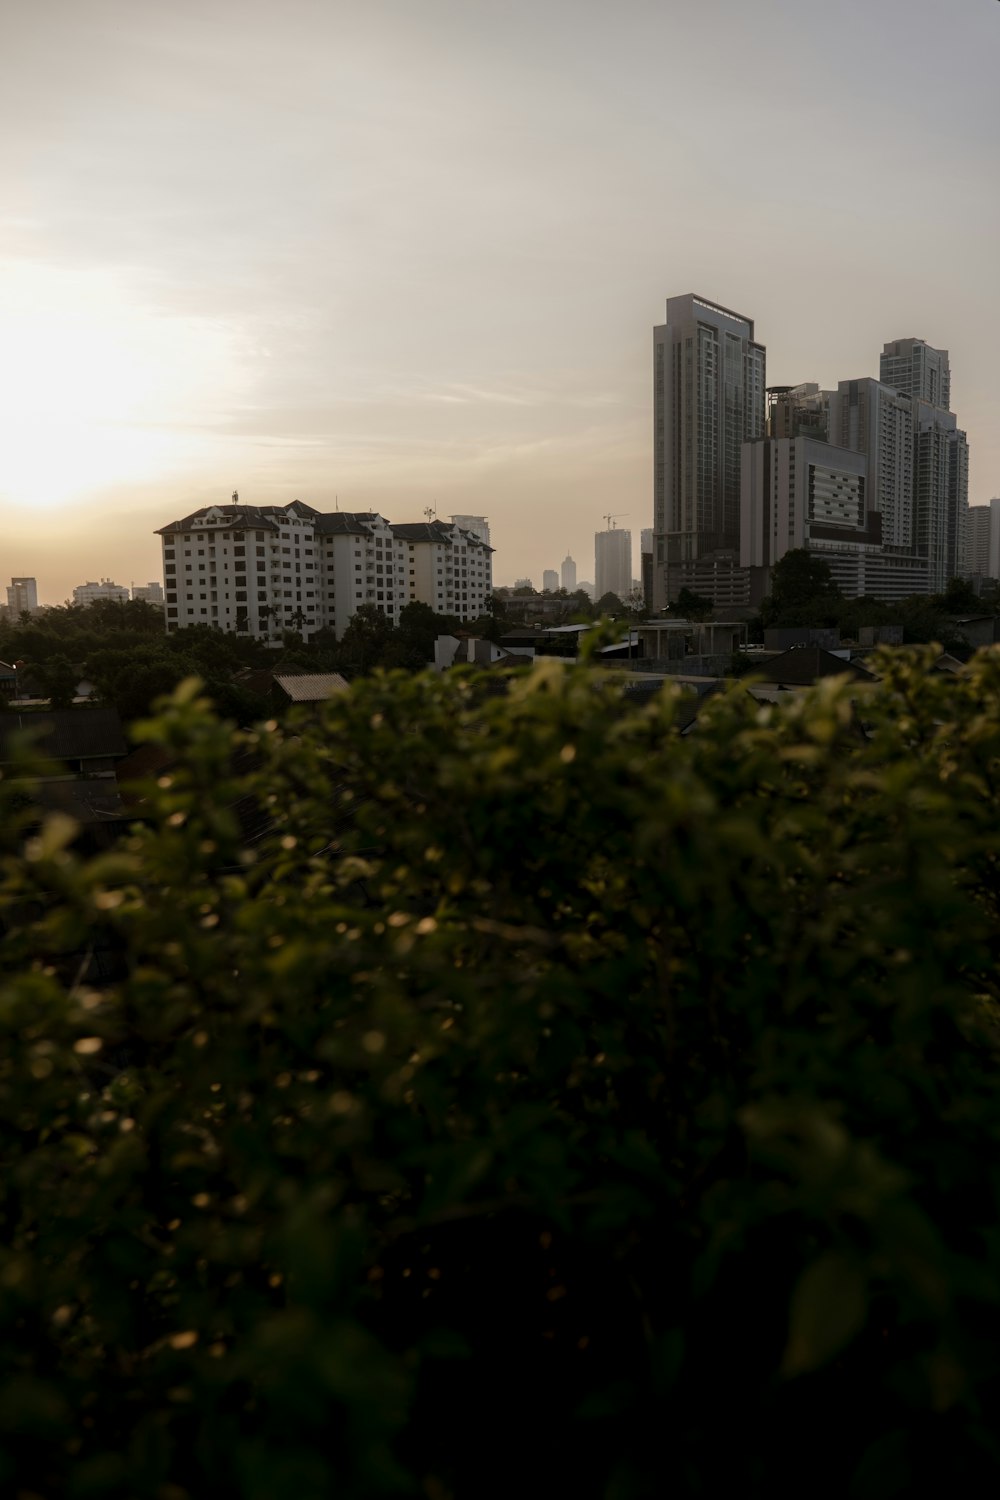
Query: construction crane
[618, 517]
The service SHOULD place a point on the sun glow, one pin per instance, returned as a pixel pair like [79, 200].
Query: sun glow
[96, 389]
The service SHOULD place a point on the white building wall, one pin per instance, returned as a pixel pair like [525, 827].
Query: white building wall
[264, 570]
[22, 596]
[89, 593]
[613, 562]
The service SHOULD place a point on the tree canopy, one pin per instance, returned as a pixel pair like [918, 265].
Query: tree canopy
[463, 1093]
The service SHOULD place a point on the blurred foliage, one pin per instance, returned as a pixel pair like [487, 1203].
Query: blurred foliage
[536, 1102]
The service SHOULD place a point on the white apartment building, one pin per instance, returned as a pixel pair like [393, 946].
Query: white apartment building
[613, 562]
[449, 568]
[550, 579]
[262, 570]
[89, 593]
[152, 593]
[22, 596]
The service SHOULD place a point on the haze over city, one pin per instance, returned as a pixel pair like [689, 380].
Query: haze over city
[402, 256]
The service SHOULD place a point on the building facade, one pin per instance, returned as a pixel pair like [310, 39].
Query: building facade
[567, 574]
[262, 570]
[447, 567]
[916, 369]
[151, 593]
[22, 596]
[89, 593]
[982, 547]
[941, 493]
[798, 411]
[803, 493]
[550, 580]
[876, 420]
[478, 525]
[708, 399]
[613, 562]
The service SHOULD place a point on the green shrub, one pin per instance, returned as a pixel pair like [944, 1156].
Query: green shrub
[544, 1104]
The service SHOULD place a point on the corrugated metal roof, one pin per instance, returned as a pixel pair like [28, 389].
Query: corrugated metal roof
[312, 687]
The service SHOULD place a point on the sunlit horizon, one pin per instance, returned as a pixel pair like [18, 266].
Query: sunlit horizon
[401, 258]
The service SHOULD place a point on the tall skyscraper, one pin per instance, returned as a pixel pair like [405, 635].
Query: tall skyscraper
[550, 579]
[568, 574]
[941, 493]
[708, 398]
[876, 420]
[918, 465]
[22, 596]
[613, 561]
[916, 369]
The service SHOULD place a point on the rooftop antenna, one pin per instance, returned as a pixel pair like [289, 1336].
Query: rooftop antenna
[236, 497]
[431, 514]
[336, 502]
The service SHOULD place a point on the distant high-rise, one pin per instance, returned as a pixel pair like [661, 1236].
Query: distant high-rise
[874, 419]
[708, 398]
[916, 369]
[613, 561]
[568, 574]
[152, 593]
[918, 470]
[89, 593]
[550, 579]
[982, 547]
[478, 525]
[22, 596]
[941, 493]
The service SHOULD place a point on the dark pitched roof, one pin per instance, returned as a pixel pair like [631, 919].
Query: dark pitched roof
[239, 517]
[422, 531]
[434, 531]
[802, 665]
[346, 522]
[65, 734]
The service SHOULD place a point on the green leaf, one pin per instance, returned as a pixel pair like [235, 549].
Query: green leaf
[828, 1310]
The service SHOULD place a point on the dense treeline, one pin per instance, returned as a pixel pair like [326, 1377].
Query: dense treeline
[803, 592]
[502, 1094]
[121, 647]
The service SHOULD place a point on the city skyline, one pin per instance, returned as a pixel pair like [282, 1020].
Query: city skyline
[318, 256]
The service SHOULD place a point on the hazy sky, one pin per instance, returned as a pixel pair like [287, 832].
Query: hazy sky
[410, 252]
